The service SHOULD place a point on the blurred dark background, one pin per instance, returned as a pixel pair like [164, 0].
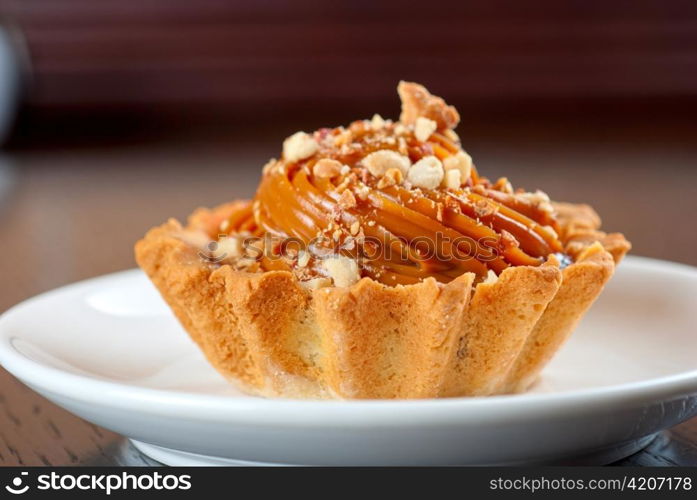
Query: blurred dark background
[116, 114]
[115, 70]
[120, 113]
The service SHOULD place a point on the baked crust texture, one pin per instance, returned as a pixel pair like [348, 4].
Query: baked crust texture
[273, 337]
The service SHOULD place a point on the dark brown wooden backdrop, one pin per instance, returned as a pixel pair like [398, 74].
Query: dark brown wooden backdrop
[180, 63]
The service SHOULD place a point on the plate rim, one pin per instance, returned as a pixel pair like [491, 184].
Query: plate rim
[329, 413]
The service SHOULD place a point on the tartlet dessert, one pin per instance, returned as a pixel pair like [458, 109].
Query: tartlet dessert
[375, 262]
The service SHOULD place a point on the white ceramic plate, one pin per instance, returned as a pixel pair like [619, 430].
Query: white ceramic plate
[109, 350]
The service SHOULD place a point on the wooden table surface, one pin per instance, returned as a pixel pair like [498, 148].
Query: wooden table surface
[75, 214]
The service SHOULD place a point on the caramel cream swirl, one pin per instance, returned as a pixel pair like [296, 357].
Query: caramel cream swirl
[333, 193]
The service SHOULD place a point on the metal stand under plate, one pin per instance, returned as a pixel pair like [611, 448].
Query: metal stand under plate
[178, 458]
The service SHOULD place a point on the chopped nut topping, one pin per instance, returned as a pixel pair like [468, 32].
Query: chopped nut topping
[343, 138]
[365, 175]
[491, 278]
[392, 177]
[344, 184]
[347, 200]
[423, 128]
[417, 101]
[246, 264]
[299, 146]
[315, 283]
[479, 189]
[268, 166]
[508, 239]
[383, 183]
[381, 161]
[366, 170]
[426, 173]
[452, 178]
[303, 259]
[256, 211]
[460, 161]
[327, 168]
[342, 270]
[362, 191]
[503, 185]
[450, 134]
[377, 122]
[197, 239]
[482, 208]
[538, 199]
[402, 146]
[400, 129]
[227, 247]
[360, 237]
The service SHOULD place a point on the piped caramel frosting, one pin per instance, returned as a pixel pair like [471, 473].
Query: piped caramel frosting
[394, 201]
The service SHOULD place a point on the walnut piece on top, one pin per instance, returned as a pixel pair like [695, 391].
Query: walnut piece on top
[417, 102]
